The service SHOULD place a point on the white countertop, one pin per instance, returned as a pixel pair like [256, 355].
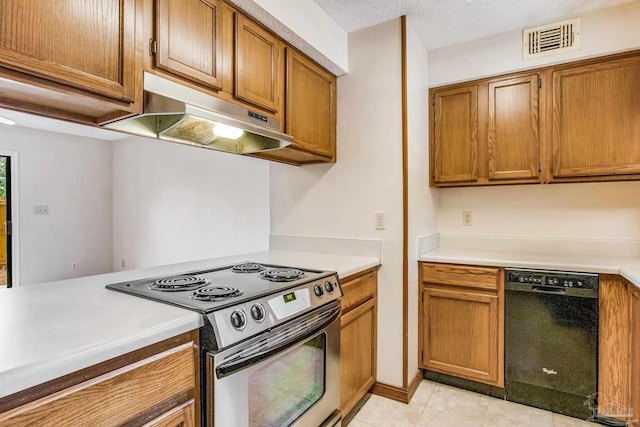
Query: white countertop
[52, 329]
[627, 267]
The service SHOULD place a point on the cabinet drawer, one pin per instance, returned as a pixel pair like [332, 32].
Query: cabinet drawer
[358, 290]
[115, 397]
[461, 275]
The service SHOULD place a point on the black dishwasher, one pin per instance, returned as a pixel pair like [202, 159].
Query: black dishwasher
[551, 339]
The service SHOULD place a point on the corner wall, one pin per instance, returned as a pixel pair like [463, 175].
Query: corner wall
[422, 199]
[341, 200]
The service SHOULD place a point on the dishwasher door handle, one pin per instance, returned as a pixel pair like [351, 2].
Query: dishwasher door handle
[548, 290]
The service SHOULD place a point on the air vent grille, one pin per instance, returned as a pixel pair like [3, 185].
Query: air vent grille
[551, 39]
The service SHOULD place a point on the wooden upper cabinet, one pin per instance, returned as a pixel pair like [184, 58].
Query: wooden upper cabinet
[455, 134]
[596, 119]
[563, 123]
[259, 56]
[513, 128]
[189, 40]
[87, 44]
[310, 105]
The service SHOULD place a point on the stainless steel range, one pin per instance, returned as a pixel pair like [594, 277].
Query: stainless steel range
[270, 346]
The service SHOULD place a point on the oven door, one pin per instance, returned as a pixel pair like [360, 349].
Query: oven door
[289, 376]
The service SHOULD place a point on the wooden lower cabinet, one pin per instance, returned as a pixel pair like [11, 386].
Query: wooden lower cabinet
[619, 345]
[358, 339]
[634, 304]
[462, 321]
[154, 386]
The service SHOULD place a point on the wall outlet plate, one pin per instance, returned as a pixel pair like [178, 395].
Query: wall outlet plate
[380, 220]
[467, 218]
[41, 210]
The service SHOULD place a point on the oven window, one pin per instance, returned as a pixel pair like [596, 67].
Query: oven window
[287, 387]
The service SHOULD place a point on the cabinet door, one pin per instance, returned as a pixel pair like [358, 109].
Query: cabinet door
[513, 128]
[80, 43]
[614, 347]
[257, 65]
[357, 354]
[311, 105]
[596, 111]
[461, 334]
[455, 140]
[189, 40]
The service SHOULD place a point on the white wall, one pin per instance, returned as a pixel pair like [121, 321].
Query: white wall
[605, 31]
[422, 199]
[340, 200]
[583, 210]
[175, 203]
[596, 210]
[71, 175]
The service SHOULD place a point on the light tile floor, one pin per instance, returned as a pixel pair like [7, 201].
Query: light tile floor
[439, 405]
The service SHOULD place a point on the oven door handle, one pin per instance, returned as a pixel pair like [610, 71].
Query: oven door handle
[280, 341]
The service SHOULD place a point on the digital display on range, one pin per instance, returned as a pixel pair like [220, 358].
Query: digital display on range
[289, 297]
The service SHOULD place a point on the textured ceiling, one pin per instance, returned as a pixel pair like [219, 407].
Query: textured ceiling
[441, 23]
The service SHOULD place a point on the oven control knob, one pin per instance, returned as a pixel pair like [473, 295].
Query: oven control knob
[317, 289]
[328, 286]
[257, 312]
[238, 320]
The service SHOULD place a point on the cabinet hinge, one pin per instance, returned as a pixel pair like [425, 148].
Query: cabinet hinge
[422, 355]
[433, 101]
[539, 83]
[8, 228]
[539, 167]
[153, 47]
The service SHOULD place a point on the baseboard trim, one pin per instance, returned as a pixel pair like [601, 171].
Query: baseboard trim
[397, 393]
[415, 383]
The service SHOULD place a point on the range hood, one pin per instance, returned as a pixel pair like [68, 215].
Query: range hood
[176, 113]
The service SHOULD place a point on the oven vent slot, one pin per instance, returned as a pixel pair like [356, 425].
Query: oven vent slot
[551, 39]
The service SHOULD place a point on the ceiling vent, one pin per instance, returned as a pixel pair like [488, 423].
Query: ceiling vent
[550, 39]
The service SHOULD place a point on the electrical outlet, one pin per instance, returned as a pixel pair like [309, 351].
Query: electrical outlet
[466, 218]
[380, 220]
[74, 266]
[41, 210]
[124, 264]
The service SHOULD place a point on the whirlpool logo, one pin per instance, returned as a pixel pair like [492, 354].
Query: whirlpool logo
[549, 371]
